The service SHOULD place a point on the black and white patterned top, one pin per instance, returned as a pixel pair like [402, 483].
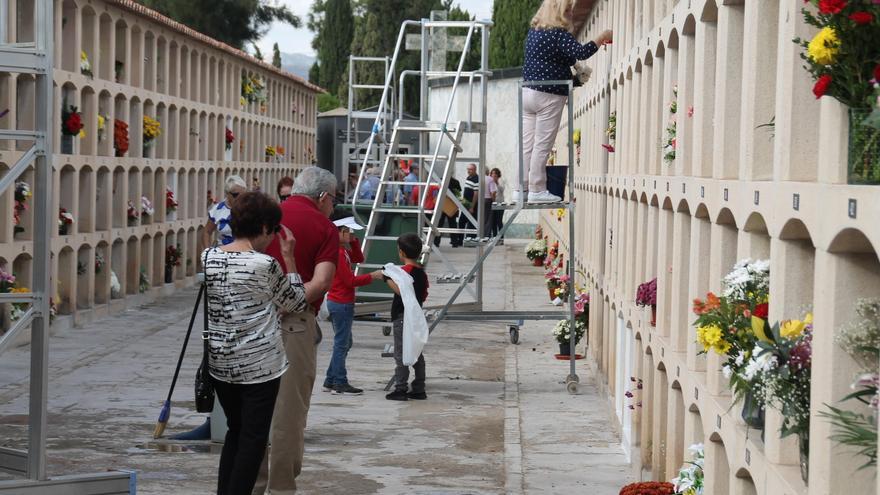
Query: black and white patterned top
[550, 53]
[246, 292]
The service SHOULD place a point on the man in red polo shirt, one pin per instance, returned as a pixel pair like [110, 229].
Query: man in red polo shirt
[306, 213]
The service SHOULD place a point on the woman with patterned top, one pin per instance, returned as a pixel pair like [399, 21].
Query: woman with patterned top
[550, 51]
[219, 214]
[246, 292]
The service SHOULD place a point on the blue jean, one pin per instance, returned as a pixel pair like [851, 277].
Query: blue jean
[341, 316]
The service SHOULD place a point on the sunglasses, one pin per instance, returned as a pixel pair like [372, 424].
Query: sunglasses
[233, 194]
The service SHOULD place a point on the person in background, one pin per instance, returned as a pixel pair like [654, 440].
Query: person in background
[498, 215]
[219, 215]
[306, 213]
[489, 192]
[550, 51]
[471, 190]
[285, 185]
[340, 303]
[246, 292]
[409, 248]
[411, 177]
[256, 184]
[449, 212]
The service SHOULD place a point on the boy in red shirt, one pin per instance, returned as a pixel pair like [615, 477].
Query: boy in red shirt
[340, 304]
[409, 247]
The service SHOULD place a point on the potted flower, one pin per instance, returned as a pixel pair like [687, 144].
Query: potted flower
[170, 203]
[65, 220]
[646, 295]
[230, 138]
[85, 67]
[270, 153]
[172, 259]
[120, 137]
[563, 335]
[143, 281]
[71, 125]
[842, 59]
[669, 144]
[99, 262]
[648, 488]
[133, 214]
[536, 251]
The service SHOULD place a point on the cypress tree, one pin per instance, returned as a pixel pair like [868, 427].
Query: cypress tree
[334, 42]
[276, 56]
[507, 43]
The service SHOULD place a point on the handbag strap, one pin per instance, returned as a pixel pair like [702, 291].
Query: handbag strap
[205, 312]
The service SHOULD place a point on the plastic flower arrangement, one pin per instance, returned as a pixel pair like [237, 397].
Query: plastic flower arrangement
[562, 331]
[173, 255]
[536, 249]
[170, 202]
[115, 286]
[85, 67]
[646, 294]
[253, 90]
[99, 262]
[102, 127]
[17, 310]
[143, 281]
[856, 428]
[576, 138]
[271, 152]
[634, 396]
[7, 281]
[724, 323]
[230, 138]
[133, 214]
[690, 478]
[120, 137]
[65, 220]
[22, 195]
[670, 144]
[152, 129]
[147, 207]
[71, 122]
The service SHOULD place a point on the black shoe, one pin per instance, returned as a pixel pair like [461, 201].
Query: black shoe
[327, 387]
[346, 390]
[397, 395]
[417, 395]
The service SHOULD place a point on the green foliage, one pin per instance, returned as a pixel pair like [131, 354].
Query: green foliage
[257, 53]
[327, 102]
[334, 45]
[276, 56]
[511, 18]
[234, 22]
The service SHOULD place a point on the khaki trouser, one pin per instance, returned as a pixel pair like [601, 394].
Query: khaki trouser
[541, 113]
[285, 457]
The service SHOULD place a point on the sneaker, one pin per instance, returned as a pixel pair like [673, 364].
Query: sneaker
[346, 389]
[543, 197]
[397, 395]
[327, 387]
[517, 196]
[417, 395]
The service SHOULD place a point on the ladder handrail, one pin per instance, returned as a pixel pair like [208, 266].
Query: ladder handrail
[389, 76]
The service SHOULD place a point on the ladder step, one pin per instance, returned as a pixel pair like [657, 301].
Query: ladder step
[409, 156]
[370, 265]
[418, 125]
[401, 209]
[380, 238]
[452, 230]
[533, 206]
[388, 351]
[404, 183]
[453, 278]
[368, 86]
[18, 135]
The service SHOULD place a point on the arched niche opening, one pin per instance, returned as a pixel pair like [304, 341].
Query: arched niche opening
[105, 62]
[744, 484]
[69, 44]
[105, 131]
[120, 74]
[118, 272]
[755, 241]
[132, 266]
[86, 193]
[103, 197]
[67, 200]
[716, 466]
[25, 106]
[148, 216]
[120, 198]
[89, 42]
[158, 272]
[85, 276]
[134, 198]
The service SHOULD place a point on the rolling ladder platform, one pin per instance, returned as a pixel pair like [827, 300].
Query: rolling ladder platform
[28, 49]
[442, 145]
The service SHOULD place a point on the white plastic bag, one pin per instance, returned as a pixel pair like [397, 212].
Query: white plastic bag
[415, 327]
[324, 313]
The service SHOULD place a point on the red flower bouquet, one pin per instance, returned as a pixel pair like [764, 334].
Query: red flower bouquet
[648, 488]
[229, 139]
[120, 137]
[71, 121]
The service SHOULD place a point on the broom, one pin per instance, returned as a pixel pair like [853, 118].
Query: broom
[166, 407]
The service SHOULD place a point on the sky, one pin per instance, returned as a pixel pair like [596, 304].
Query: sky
[292, 40]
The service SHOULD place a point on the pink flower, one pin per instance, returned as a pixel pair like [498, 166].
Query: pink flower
[608, 148]
[691, 112]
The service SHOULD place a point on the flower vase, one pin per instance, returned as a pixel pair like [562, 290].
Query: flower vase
[653, 315]
[169, 274]
[804, 449]
[565, 349]
[864, 149]
[62, 229]
[552, 291]
[752, 412]
[538, 261]
[67, 144]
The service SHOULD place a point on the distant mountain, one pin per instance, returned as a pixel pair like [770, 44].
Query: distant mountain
[297, 63]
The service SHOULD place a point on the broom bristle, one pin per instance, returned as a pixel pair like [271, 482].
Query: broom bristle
[160, 429]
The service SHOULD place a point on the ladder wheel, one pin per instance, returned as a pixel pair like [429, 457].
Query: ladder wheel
[572, 388]
[514, 334]
[386, 331]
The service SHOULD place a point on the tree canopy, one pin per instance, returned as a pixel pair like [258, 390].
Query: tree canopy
[234, 22]
[507, 43]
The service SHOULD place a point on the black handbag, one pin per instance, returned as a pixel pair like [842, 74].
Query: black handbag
[204, 386]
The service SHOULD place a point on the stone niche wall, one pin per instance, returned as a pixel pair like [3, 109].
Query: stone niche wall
[734, 190]
[141, 65]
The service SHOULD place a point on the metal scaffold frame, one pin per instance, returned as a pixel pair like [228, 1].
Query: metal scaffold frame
[36, 57]
[440, 170]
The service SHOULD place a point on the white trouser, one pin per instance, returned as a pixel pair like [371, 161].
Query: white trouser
[541, 114]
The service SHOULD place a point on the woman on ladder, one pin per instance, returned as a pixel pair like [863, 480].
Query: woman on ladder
[551, 49]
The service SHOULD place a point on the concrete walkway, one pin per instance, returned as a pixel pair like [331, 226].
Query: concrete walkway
[498, 419]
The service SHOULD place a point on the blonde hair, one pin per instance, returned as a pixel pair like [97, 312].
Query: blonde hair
[553, 14]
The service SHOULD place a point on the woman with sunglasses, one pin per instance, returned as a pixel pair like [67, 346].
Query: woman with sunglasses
[219, 215]
[285, 186]
[247, 292]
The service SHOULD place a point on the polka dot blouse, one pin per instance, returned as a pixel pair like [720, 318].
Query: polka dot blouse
[549, 55]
